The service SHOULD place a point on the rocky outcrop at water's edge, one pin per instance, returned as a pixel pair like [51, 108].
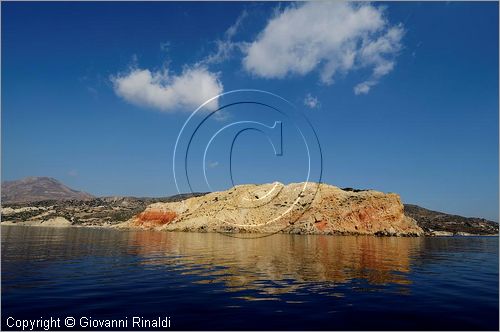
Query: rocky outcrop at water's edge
[297, 208]
[268, 208]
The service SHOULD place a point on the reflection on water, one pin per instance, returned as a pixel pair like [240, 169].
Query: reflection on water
[416, 283]
[272, 265]
[308, 261]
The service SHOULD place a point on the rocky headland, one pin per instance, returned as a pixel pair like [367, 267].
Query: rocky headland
[297, 208]
[300, 208]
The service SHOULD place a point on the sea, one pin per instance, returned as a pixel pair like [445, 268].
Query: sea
[106, 279]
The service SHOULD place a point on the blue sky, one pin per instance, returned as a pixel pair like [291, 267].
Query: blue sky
[406, 102]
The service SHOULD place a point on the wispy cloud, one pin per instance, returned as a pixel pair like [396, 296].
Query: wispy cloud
[311, 102]
[233, 29]
[226, 47]
[213, 164]
[329, 37]
[168, 92]
[221, 115]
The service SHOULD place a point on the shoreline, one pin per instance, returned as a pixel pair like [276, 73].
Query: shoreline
[117, 227]
[323, 209]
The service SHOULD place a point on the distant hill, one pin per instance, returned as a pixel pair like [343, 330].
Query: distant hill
[32, 189]
[431, 221]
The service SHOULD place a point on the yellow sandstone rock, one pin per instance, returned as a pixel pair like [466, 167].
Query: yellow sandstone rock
[297, 208]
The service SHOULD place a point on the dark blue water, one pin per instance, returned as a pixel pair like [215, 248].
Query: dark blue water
[210, 281]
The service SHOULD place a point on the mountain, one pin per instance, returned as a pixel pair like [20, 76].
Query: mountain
[436, 223]
[32, 189]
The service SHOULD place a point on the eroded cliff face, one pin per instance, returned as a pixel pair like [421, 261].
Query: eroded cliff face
[298, 208]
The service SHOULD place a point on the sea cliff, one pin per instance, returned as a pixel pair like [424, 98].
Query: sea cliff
[297, 208]
[317, 209]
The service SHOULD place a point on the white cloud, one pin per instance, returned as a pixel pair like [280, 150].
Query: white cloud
[233, 29]
[330, 37]
[167, 92]
[213, 164]
[221, 115]
[226, 46]
[223, 52]
[363, 88]
[311, 102]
